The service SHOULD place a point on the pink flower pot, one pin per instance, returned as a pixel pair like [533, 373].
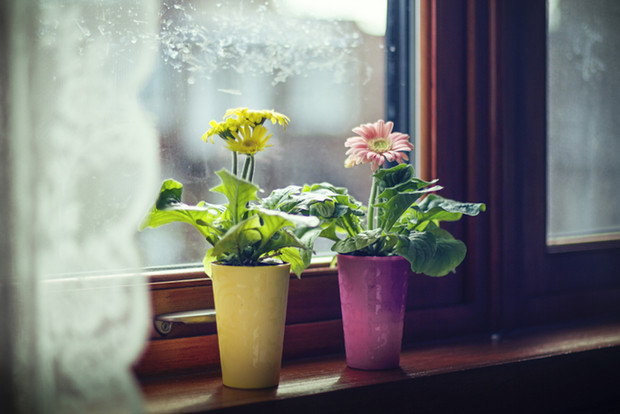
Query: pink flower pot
[373, 292]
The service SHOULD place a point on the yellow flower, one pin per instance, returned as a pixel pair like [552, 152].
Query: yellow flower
[238, 118]
[253, 117]
[249, 140]
[208, 136]
[224, 129]
[276, 117]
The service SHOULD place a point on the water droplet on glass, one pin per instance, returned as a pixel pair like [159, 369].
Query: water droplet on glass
[392, 48]
[191, 80]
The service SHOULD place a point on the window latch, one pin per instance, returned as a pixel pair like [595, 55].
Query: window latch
[164, 322]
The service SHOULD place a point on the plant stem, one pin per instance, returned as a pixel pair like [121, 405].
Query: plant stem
[371, 202]
[251, 177]
[246, 168]
[346, 223]
[234, 163]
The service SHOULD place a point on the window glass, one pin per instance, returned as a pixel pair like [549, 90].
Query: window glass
[322, 63]
[583, 123]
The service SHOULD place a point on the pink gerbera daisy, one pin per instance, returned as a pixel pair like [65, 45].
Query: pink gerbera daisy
[377, 144]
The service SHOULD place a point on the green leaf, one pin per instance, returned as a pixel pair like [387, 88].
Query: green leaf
[280, 197]
[242, 233]
[168, 208]
[282, 219]
[336, 210]
[308, 236]
[418, 248]
[239, 193]
[330, 232]
[433, 253]
[320, 200]
[294, 258]
[357, 242]
[208, 259]
[398, 189]
[169, 195]
[391, 177]
[387, 244]
[279, 240]
[272, 231]
[435, 208]
[239, 238]
[400, 179]
[434, 201]
[326, 209]
[397, 204]
[266, 233]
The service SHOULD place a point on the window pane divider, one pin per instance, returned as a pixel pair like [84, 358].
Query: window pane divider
[583, 243]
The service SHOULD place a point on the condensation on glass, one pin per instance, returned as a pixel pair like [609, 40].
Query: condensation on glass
[319, 62]
[583, 155]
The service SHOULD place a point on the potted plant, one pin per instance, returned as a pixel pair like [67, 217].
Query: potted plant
[398, 232]
[253, 249]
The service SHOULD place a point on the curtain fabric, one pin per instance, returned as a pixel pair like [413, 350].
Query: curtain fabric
[79, 165]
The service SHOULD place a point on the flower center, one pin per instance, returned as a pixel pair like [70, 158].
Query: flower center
[379, 145]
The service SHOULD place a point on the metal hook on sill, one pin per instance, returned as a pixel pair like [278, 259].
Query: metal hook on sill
[164, 322]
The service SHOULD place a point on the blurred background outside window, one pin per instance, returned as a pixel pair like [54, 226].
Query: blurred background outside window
[320, 62]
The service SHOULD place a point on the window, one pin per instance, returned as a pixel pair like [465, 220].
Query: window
[322, 65]
[539, 284]
[583, 144]
[436, 307]
[484, 99]
[483, 111]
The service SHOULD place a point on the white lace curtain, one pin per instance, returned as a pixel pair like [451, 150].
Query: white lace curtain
[78, 165]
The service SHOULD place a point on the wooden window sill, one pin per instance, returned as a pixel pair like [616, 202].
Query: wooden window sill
[568, 368]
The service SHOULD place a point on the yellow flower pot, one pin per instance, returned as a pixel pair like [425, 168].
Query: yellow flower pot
[250, 306]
